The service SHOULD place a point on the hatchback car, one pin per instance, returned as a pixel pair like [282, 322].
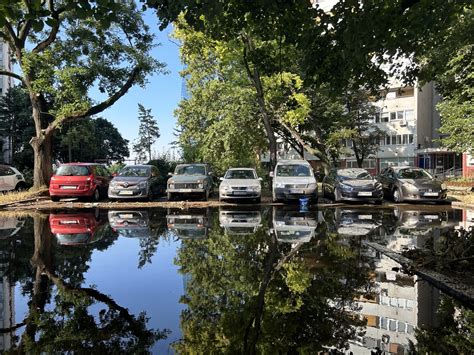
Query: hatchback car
[352, 185]
[11, 179]
[411, 184]
[293, 179]
[86, 180]
[136, 181]
[240, 183]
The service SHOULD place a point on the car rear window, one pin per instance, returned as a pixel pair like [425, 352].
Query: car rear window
[73, 170]
[293, 170]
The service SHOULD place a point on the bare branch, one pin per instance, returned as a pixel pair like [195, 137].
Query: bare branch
[11, 74]
[12, 34]
[54, 30]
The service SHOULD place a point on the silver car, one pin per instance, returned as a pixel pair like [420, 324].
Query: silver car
[411, 184]
[293, 179]
[240, 183]
[136, 181]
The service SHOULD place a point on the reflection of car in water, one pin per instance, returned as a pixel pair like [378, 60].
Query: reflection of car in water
[134, 224]
[9, 226]
[77, 228]
[238, 221]
[188, 224]
[357, 221]
[293, 226]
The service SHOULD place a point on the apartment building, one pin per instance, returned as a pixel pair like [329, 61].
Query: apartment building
[5, 84]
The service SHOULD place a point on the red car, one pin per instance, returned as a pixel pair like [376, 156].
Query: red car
[79, 180]
[77, 228]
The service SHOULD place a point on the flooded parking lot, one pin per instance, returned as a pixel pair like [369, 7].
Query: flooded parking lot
[230, 279]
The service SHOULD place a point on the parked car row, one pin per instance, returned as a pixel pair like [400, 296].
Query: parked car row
[292, 179]
[398, 183]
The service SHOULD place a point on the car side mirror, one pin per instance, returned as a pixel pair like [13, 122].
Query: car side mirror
[271, 174]
[114, 175]
[260, 179]
[209, 173]
[170, 174]
[221, 179]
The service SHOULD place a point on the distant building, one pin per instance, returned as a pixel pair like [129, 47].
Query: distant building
[5, 85]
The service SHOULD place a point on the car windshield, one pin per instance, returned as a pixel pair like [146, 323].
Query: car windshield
[190, 170]
[240, 174]
[73, 170]
[413, 174]
[293, 170]
[142, 171]
[349, 174]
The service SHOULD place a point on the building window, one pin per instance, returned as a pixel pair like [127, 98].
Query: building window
[394, 139]
[407, 92]
[391, 95]
[399, 139]
[405, 139]
[399, 115]
[410, 138]
[377, 117]
[384, 117]
[409, 115]
[393, 116]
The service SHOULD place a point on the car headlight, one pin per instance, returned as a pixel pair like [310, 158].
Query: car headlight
[444, 186]
[113, 184]
[254, 188]
[346, 187]
[225, 187]
[410, 187]
[279, 185]
[143, 184]
[171, 185]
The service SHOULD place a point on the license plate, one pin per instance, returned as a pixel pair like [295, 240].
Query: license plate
[125, 216]
[240, 193]
[295, 191]
[69, 187]
[365, 193]
[431, 194]
[431, 216]
[364, 216]
[126, 192]
[69, 222]
[185, 190]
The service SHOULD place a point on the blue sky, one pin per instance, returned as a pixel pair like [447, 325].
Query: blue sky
[162, 94]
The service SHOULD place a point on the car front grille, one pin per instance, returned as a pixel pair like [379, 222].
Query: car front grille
[239, 188]
[295, 186]
[186, 186]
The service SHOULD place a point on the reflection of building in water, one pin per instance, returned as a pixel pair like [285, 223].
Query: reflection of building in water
[401, 303]
[467, 219]
[7, 305]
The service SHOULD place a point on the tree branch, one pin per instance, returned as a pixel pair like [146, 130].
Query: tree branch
[11, 74]
[54, 30]
[97, 108]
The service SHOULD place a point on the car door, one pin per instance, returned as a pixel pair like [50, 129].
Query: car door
[6, 179]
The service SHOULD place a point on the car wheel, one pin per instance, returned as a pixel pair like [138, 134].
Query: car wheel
[274, 198]
[150, 195]
[205, 196]
[96, 195]
[378, 202]
[397, 195]
[21, 186]
[170, 196]
[258, 200]
[55, 198]
[337, 195]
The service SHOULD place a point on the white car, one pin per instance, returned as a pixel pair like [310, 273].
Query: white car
[240, 183]
[293, 179]
[11, 179]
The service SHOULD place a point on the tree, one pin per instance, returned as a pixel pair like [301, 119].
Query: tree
[63, 49]
[16, 126]
[92, 139]
[148, 133]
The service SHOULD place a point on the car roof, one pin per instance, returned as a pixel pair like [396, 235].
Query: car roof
[241, 169]
[139, 165]
[405, 167]
[184, 164]
[91, 164]
[295, 161]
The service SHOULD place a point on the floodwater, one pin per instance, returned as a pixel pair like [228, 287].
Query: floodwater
[243, 279]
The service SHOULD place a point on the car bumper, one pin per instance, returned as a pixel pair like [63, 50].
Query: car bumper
[418, 197]
[127, 193]
[241, 195]
[186, 191]
[294, 194]
[376, 195]
[81, 192]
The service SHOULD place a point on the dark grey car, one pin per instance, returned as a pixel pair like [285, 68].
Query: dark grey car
[136, 181]
[411, 184]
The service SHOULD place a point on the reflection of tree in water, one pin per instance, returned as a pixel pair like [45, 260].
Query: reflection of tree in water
[149, 245]
[70, 325]
[454, 333]
[253, 294]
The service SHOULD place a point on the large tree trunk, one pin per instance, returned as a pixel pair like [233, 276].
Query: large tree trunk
[42, 147]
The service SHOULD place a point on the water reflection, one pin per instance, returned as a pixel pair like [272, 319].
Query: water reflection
[240, 221]
[256, 280]
[188, 224]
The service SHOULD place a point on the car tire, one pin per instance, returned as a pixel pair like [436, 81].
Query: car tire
[205, 196]
[150, 195]
[170, 196]
[95, 196]
[274, 198]
[337, 195]
[55, 198]
[21, 186]
[258, 200]
[397, 195]
[378, 202]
